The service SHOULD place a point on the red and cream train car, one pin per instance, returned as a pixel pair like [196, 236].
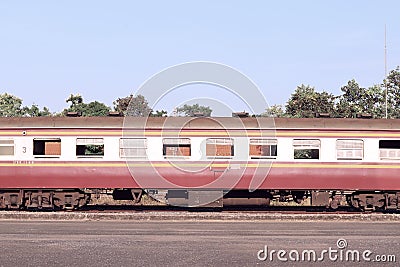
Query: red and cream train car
[60, 162]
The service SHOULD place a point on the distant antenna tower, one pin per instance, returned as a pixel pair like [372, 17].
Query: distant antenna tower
[386, 87]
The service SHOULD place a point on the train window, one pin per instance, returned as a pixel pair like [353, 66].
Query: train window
[349, 149]
[132, 147]
[389, 149]
[219, 147]
[263, 148]
[6, 147]
[47, 147]
[176, 147]
[89, 147]
[306, 148]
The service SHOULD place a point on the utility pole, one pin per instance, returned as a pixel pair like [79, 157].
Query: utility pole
[386, 87]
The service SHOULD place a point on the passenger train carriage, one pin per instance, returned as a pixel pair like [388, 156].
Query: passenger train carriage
[62, 162]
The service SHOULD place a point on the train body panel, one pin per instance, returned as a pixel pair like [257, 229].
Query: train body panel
[200, 154]
[243, 175]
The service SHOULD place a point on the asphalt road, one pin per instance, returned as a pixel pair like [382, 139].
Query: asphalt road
[203, 243]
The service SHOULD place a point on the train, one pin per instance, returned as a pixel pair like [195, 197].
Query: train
[66, 162]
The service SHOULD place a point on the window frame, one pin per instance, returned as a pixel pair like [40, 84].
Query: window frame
[229, 142]
[8, 145]
[344, 149]
[88, 144]
[43, 141]
[264, 142]
[137, 147]
[302, 145]
[176, 143]
[388, 150]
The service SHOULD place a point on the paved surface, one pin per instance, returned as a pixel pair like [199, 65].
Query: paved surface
[180, 243]
[192, 215]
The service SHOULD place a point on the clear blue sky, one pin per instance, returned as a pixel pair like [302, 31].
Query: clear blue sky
[107, 49]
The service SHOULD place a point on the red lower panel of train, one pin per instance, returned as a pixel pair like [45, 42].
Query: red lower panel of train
[216, 175]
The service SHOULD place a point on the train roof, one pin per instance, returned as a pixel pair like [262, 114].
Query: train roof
[200, 123]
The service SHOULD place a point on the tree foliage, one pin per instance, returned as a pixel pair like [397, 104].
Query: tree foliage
[91, 109]
[392, 83]
[136, 106]
[159, 113]
[355, 100]
[191, 110]
[34, 111]
[305, 102]
[96, 108]
[274, 111]
[11, 106]
[75, 100]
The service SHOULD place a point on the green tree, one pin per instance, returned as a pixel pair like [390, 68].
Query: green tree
[34, 111]
[191, 110]
[305, 102]
[355, 100]
[96, 108]
[75, 99]
[274, 111]
[10, 105]
[76, 104]
[91, 109]
[392, 82]
[136, 106]
[159, 113]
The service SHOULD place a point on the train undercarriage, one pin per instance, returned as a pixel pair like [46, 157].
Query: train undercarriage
[72, 199]
[34, 199]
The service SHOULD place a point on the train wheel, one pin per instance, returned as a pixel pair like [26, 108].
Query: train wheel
[298, 196]
[70, 200]
[334, 204]
[55, 200]
[368, 201]
[11, 199]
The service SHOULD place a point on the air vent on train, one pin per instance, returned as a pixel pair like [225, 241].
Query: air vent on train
[73, 114]
[242, 114]
[114, 114]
